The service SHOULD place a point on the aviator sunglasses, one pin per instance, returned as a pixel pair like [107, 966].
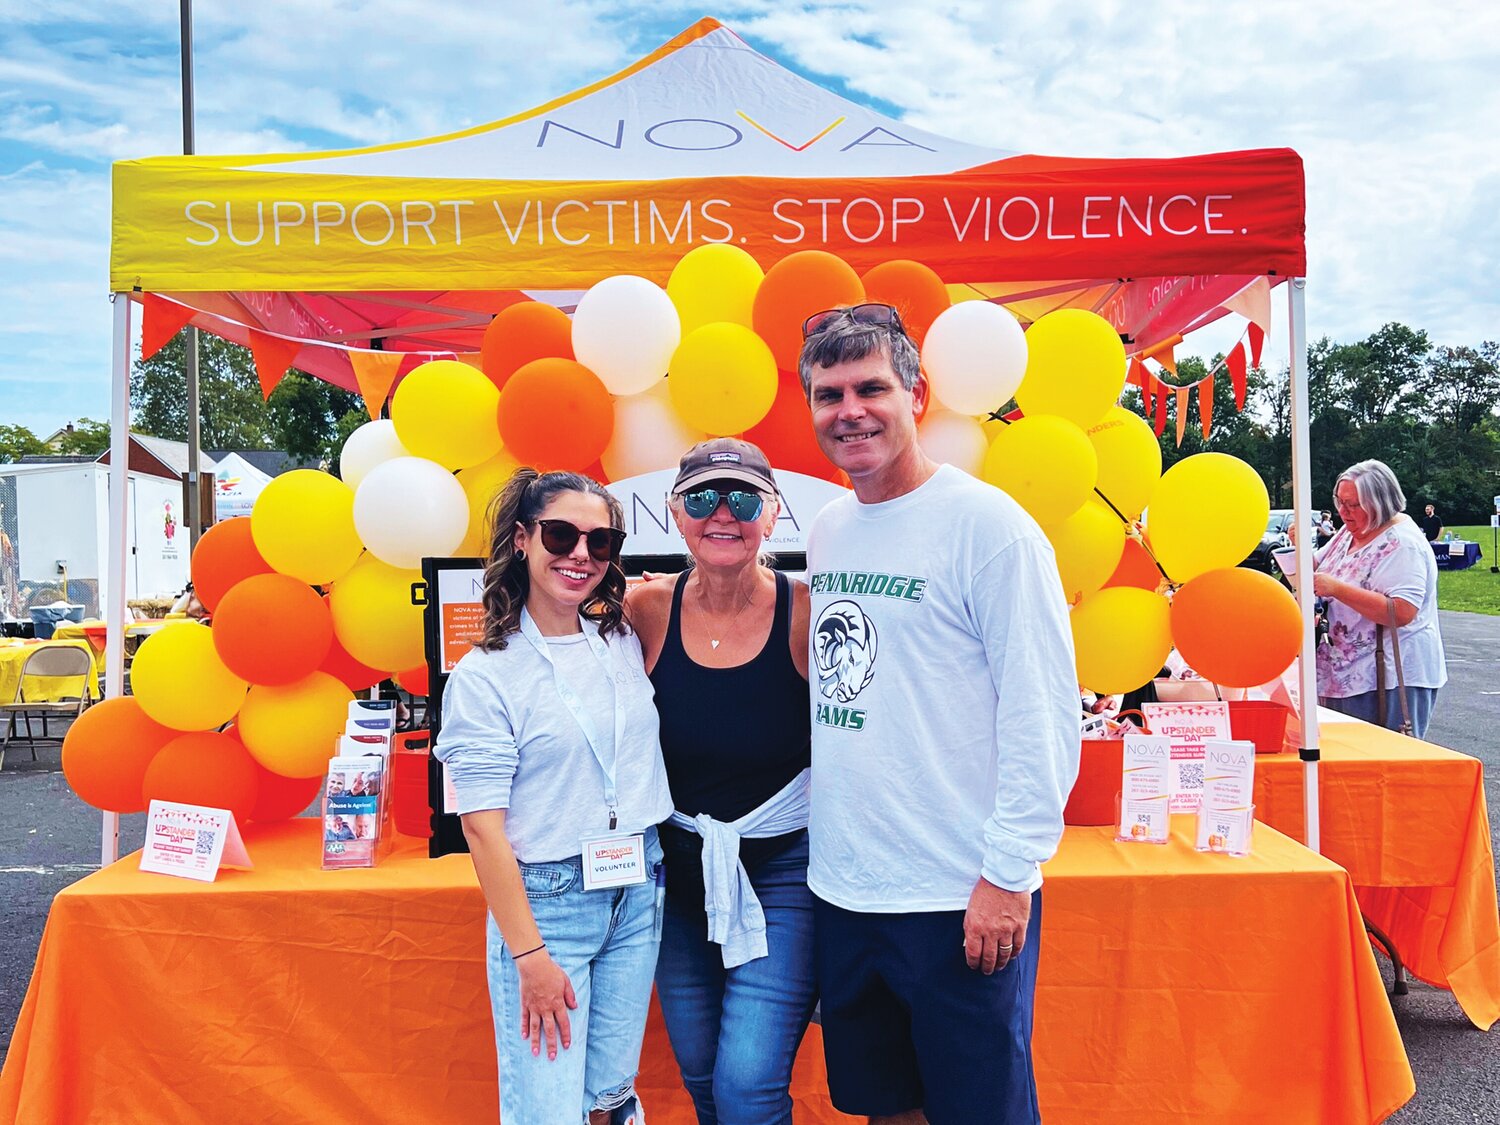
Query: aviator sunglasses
[704, 502]
[870, 313]
[559, 538]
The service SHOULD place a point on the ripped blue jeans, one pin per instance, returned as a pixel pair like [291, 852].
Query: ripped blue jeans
[606, 942]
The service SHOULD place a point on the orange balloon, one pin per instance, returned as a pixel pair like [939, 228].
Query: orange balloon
[1135, 569]
[344, 668]
[596, 472]
[1236, 627]
[204, 768]
[556, 414]
[785, 434]
[107, 750]
[521, 333]
[413, 680]
[225, 555]
[278, 798]
[272, 629]
[915, 290]
[799, 285]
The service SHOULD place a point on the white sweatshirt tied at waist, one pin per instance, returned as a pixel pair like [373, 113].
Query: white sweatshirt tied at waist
[735, 918]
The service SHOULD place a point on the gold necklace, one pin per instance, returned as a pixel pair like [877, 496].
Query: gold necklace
[723, 633]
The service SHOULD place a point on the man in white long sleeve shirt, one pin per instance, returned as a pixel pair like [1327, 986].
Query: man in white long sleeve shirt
[945, 741]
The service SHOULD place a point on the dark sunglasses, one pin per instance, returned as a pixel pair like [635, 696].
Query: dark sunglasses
[559, 537]
[704, 502]
[871, 313]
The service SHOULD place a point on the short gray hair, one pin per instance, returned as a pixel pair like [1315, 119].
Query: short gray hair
[1378, 490]
[846, 341]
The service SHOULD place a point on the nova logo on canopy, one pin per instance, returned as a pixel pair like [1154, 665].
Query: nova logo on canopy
[706, 134]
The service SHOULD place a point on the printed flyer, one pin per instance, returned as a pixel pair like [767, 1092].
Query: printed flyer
[1189, 726]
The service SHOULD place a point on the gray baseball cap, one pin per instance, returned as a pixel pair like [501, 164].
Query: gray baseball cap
[724, 458]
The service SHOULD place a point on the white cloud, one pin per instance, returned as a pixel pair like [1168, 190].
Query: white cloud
[1391, 107]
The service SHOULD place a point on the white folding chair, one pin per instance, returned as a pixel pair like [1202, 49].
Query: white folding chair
[47, 661]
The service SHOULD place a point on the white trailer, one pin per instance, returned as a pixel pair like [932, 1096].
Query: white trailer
[56, 521]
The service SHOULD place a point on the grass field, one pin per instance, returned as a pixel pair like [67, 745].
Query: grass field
[1475, 590]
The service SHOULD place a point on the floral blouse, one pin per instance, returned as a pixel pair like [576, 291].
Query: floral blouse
[1399, 563]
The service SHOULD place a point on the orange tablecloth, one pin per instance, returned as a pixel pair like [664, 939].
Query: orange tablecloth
[1408, 821]
[1174, 988]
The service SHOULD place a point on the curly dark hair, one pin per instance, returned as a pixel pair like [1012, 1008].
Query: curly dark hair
[507, 582]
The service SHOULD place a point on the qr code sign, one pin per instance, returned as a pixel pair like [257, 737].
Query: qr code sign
[1189, 775]
[205, 842]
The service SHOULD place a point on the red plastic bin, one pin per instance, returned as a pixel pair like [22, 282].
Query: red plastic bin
[410, 753]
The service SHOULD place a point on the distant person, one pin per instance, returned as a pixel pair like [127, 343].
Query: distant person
[1432, 525]
[1325, 528]
[1378, 566]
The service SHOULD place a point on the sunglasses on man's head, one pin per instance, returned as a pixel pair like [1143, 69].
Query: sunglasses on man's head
[870, 313]
[704, 502]
[559, 537]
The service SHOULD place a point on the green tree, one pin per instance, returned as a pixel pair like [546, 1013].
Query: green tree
[305, 414]
[232, 414]
[87, 438]
[17, 442]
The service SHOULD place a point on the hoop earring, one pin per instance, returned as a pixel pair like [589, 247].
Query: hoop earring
[521, 556]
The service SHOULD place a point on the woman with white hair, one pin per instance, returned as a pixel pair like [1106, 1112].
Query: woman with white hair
[1379, 577]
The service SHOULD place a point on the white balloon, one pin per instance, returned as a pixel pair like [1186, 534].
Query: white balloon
[975, 356]
[649, 435]
[408, 509]
[625, 330]
[950, 438]
[372, 444]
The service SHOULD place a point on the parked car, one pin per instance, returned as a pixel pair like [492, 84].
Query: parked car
[1275, 538]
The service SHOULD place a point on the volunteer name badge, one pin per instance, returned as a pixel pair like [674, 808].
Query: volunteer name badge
[191, 841]
[613, 861]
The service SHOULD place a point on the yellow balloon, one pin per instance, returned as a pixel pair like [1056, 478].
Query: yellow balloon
[1129, 460]
[482, 483]
[1046, 464]
[303, 525]
[713, 283]
[294, 729]
[1075, 367]
[1088, 545]
[373, 617]
[446, 411]
[179, 680]
[722, 378]
[1121, 638]
[1208, 511]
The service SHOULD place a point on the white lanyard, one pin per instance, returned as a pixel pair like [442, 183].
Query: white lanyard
[575, 706]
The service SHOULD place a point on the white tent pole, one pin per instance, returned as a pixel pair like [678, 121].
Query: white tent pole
[1302, 521]
[119, 500]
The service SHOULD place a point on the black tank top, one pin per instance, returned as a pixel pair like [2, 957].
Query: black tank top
[732, 738]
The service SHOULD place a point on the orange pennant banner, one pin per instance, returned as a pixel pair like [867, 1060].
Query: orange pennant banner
[1161, 406]
[1206, 405]
[160, 321]
[1235, 361]
[375, 372]
[273, 356]
[1182, 409]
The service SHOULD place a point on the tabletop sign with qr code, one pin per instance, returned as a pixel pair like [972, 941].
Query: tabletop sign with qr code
[191, 841]
[1189, 726]
[1145, 790]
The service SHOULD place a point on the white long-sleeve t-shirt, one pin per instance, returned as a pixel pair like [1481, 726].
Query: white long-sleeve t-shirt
[512, 738]
[945, 732]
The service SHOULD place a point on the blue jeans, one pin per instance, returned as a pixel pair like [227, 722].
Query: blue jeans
[735, 1032]
[1365, 706]
[606, 942]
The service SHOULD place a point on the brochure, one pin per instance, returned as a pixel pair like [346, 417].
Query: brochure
[1145, 790]
[1228, 812]
[353, 810]
[1189, 726]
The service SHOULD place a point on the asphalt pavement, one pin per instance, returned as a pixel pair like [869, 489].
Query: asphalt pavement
[48, 839]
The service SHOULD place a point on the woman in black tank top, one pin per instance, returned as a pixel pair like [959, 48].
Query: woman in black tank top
[726, 648]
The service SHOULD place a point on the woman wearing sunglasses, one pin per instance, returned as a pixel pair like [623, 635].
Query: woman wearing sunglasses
[726, 647]
[550, 737]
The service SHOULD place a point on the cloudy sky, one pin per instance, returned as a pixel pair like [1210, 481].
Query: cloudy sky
[1393, 108]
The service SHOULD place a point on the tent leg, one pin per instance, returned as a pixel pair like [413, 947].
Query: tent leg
[1307, 674]
[119, 499]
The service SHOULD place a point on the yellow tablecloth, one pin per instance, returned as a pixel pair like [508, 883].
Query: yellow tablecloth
[43, 689]
[1175, 989]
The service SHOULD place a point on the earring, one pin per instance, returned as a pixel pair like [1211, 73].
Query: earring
[520, 556]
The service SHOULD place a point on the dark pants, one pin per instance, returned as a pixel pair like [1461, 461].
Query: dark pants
[908, 1025]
